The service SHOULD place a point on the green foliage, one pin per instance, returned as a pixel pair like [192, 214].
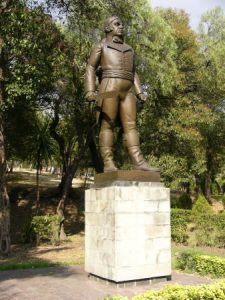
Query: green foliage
[202, 264]
[179, 222]
[201, 207]
[215, 188]
[178, 292]
[209, 227]
[183, 201]
[30, 52]
[27, 233]
[209, 230]
[46, 228]
[169, 166]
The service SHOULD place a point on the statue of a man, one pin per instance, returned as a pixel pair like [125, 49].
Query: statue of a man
[118, 90]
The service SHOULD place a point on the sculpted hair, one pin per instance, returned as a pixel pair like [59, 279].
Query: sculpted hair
[108, 22]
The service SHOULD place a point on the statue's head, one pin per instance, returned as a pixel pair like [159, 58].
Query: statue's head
[114, 26]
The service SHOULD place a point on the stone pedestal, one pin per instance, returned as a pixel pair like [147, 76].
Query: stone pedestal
[127, 230]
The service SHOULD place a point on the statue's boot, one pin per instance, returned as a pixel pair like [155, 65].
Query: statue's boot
[132, 142]
[106, 144]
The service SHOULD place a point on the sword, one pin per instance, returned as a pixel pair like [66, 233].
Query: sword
[99, 100]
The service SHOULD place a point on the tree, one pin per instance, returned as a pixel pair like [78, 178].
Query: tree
[43, 150]
[212, 43]
[4, 199]
[175, 112]
[30, 48]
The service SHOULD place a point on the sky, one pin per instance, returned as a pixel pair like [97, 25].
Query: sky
[195, 8]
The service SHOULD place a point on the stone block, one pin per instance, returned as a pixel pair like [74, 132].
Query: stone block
[164, 206]
[129, 219]
[157, 231]
[98, 219]
[151, 206]
[151, 256]
[127, 231]
[164, 256]
[157, 218]
[162, 243]
[131, 258]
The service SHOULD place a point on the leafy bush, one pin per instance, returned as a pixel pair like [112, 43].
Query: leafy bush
[46, 228]
[27, 232]
[201, 207]
[178, 292]
[185, 201]
[210, 231]
[208, 227]
[179, 222]
[202, 264]
[215, 188]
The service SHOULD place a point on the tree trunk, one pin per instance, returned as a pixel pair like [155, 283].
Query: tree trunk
[4, 199]
[207, 187]
[66, 188]
[210, 167]
[198, 189]
[60, 141]
[37, 208]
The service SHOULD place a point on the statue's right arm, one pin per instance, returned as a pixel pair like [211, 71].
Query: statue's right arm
[90, 76]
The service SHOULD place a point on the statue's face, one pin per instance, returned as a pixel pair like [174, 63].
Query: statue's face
[117, 28]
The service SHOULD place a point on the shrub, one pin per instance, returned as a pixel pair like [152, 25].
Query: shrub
[201, 207]
[178, 292]
[202, 264]
[183, 201]
[179, 222]
[210, 230]
[46, 228]
[27, 232]
[215, 188]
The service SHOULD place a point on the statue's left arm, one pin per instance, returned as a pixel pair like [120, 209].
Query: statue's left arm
[137, 85]
[90, 76]
[137, 88]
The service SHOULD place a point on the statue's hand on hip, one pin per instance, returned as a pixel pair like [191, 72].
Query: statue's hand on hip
[90, 96]
[142, 97]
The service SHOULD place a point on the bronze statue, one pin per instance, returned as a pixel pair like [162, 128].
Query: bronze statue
[119, 87]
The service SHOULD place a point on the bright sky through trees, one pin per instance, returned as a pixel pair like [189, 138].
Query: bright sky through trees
[194, 8]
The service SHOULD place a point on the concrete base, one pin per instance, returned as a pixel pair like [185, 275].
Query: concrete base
[131, 283]
[127, 231]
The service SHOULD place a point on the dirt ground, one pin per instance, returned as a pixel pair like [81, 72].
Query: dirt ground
[69, 252]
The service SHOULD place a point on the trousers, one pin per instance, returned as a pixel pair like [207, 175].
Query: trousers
[123, 104]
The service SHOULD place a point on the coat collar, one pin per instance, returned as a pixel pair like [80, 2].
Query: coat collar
[122, 47]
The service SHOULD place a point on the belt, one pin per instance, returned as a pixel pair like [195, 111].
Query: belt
[118, 74]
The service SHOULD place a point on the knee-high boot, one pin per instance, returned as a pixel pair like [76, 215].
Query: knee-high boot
[132, 142]
[106, 143]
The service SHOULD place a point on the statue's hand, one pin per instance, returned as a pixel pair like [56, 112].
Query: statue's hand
[90, 96]
[142, 97]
